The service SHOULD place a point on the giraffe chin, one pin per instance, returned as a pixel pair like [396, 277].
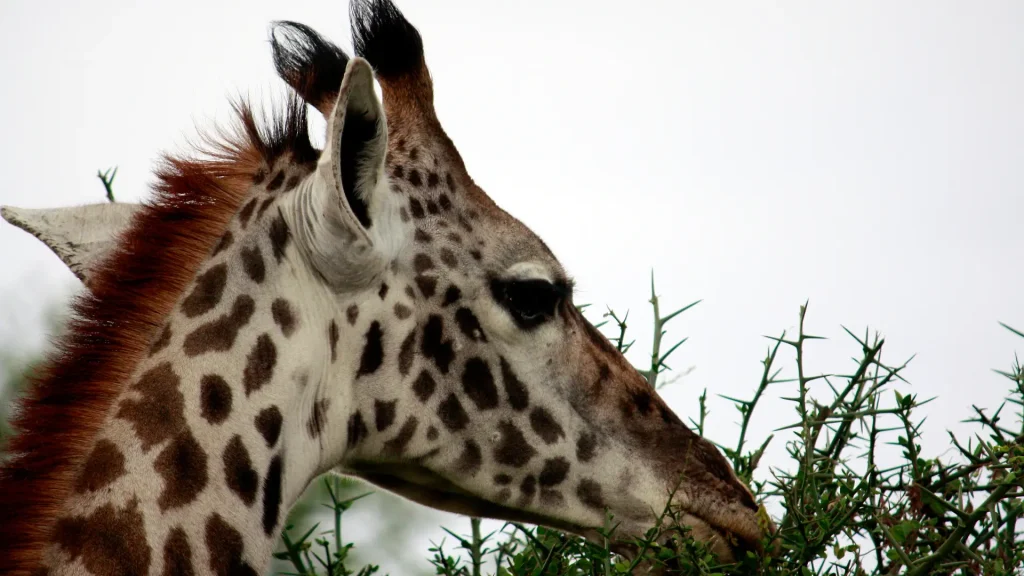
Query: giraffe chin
[426, 487]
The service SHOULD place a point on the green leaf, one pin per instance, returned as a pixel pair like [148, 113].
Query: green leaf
[904, 529]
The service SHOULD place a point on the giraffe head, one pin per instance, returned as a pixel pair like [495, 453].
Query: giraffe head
[453, 367]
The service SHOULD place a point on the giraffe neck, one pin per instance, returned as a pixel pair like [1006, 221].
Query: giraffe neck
[225, 422]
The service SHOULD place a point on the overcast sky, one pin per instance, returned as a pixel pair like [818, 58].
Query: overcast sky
[868, 156]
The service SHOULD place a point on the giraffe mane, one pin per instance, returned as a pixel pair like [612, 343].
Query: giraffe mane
[111, 326]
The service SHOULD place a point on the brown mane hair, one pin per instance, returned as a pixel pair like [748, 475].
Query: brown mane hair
[70, 395]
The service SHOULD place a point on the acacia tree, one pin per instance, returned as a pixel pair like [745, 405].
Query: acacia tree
[846, 511]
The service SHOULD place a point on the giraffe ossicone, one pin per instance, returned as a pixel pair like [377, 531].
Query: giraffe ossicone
[278, 311]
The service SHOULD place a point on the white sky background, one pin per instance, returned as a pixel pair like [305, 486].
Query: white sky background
[868, 156]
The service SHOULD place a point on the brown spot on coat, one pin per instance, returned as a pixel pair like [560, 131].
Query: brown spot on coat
[451, 296]
[513, 449]
[219, 335]
[554, 471]
[272, 495]
[268, 423]
[469, 325]
[215, 398]
[445, 202]
[178, 554]
[241, 477]
[449, 258]
[280, 236]
[416, 208]
[432, 179]
[259, 364]
[427, 285]
[434, 345]
[421, 236]
[452, 414]
[225, 242]
[373, 351]
[470, 459]
[332, 336]
[405, 353]
[424, 386]
[432, 433]
[276, 181]
[109, 541]
[396, 446]
[545, 425]
[478, 384]
[252, 263]
[518, 395]
[104, 465]
[589, 493]
[207, 292]
[402, 311]
[356, 429]
[352, 314]
[384, 413]
[182, 465]
[246, 213]
[162, 341]
[549, 497]
[414, 178]
[264, 206]
[528, 487]
[159, 412]
[421, 263]
[284, 316]
[586, 445]
[226, 548]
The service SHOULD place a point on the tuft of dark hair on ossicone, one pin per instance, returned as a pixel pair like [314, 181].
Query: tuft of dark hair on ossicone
[312, 65]
[387, 40]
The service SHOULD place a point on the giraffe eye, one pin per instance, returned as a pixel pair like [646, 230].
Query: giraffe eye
[529, 302]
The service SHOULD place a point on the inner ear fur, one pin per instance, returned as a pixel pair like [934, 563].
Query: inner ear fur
[349, 213]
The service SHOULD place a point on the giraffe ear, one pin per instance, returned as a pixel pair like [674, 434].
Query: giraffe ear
[354, 219]
[357, 140]
[81, 236]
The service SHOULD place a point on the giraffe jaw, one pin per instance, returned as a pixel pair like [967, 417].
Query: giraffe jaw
[424, 486]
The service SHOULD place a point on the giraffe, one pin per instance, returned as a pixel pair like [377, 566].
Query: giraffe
[275, 312]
